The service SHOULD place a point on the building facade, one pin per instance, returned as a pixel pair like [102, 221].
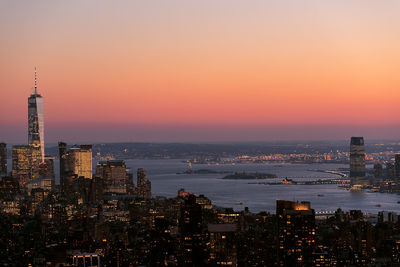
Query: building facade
[3, 159]
[296, 233]
[36, 123]
[113, 176]
[357, 157]
[143, 186]
[21, 164]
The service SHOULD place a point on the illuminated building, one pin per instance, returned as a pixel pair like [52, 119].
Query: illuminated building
[3, 159]
[191, 230]
[296, 233]
[21, 164]
[222, 244]
[86, 259]
[143, 187]
[80, 161]
[75, 162]
[113, 175]
[36, 124]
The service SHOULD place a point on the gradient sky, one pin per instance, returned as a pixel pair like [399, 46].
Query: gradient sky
[205, 70]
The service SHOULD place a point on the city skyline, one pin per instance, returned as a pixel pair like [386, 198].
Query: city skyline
[216, 72]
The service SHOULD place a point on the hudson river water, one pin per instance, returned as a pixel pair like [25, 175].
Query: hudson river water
[259, 197]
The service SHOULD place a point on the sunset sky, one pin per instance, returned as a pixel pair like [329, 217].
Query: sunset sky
[210, 70]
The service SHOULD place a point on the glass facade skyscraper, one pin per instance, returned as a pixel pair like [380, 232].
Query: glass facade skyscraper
[36, 123]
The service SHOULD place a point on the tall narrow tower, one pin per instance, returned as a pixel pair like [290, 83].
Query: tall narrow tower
[357, 157]
[36, 124]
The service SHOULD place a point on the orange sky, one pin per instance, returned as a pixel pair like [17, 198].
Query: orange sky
[207, 64]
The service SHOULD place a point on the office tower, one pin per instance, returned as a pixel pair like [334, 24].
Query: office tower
[357, 157]
[222, 244]
[62, 154]
[80, 161]
[3, 159]
[378, 171]
[46, 174]
[113, 176]
[143, 187]
[397, 166]
[74, 163]
[36, 124]
[191, 230]
[390, 170]
[9, 188]
[21, 164]
[296, 233]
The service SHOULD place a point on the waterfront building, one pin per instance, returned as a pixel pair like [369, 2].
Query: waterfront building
[3, 159]
[113, 176]
[36, 124]
[296, 233]
[357, 157]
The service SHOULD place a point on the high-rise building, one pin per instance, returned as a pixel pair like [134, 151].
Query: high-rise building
[62, 153]
[80, 161]
[3, 159]
[222, 244]
[36, 124]
[75, 162]
[296, 233]
[397, 166]
[378, 171]
[143, 187]
[21, 164]
[357, 157]
[113, 176]
[191, 230]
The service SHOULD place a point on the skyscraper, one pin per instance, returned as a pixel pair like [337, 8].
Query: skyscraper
[75, 162]
[36, 124]
[143, 187]
[296, 233]
[21, 164]
[3, 159]
[113, 175]
[191, 230]
[357, 157]
[80, 161]
[62, 153]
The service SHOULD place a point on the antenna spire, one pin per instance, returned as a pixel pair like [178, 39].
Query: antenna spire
[35, 81]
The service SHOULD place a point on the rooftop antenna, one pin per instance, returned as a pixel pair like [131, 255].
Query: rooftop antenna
[35, 81]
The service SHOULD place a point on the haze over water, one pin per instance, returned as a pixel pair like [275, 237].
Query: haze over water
[259, 197]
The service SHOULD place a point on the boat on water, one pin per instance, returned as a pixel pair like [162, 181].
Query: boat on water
[287, 181]
[238, 203]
